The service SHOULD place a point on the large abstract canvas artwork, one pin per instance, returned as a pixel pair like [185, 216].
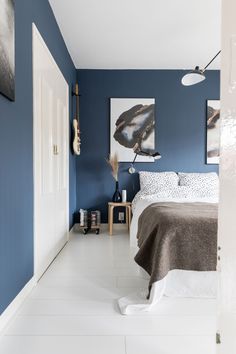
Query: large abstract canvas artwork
[132, 128]
[213, 131]
[7, 49]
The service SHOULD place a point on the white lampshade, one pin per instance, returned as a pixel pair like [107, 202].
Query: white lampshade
[193, 77]
[157, 156]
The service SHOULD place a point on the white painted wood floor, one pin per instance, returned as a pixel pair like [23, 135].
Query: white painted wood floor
[73, 309]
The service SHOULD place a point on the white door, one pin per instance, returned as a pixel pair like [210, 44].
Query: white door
[227, 206]
[51, 155]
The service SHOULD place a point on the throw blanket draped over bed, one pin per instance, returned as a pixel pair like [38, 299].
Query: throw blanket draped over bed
[177, 236]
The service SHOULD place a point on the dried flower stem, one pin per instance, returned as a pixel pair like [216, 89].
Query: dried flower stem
[114, 164]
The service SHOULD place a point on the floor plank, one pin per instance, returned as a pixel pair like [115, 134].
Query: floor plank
[112, 325]
[170, 345]
[63, 345]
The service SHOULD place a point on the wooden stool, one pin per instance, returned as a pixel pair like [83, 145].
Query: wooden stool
[111, 207]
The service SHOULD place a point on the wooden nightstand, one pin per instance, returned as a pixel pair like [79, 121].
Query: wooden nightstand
[111, 207]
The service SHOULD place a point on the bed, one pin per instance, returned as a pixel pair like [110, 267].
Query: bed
[174, 229]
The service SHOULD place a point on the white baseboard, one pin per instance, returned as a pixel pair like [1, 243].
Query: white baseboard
[104, 227]
[11, 310]
[119, 226]
[41, 268]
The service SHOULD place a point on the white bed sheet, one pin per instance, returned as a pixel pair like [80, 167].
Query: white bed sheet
[177, 283]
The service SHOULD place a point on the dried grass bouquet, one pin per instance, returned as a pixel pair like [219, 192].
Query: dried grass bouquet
[114, 164]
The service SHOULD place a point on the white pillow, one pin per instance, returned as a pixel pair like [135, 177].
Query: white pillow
[153, 182]
[203, 185]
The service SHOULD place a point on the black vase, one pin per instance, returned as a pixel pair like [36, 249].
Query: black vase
[117, 196]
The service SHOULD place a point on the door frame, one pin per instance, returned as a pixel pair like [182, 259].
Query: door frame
[37, 36]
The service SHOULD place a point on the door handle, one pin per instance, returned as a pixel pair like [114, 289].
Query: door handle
[55, 150]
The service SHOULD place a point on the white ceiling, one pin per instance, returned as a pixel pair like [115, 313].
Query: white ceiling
[140, 34]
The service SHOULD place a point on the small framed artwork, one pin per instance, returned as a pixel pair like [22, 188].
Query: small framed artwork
[213, 132]
[7, 49]
[132, 128]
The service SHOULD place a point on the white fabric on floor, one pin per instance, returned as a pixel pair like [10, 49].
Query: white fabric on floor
[178, 283]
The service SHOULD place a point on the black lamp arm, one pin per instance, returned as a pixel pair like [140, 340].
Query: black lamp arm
[211, 60]
[143, 152]
[135, 157]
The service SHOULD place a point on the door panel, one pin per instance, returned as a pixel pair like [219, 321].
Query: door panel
[46, 141]
[62, 146]
[227, 205]
[51, 156]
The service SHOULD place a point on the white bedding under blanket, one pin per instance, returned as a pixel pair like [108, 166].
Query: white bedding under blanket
[178, 283]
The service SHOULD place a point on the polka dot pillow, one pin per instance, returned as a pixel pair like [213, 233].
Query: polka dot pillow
[180, 193]
[153, 182]
[203, 185]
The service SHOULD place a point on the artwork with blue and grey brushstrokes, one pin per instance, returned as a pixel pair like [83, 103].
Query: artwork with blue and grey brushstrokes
[7, 49]
[132, 128]
[213, 131]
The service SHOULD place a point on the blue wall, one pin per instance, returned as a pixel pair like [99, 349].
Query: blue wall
[16, 149]
[180, 127]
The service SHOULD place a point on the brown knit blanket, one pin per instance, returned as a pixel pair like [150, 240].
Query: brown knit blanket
[177, 236]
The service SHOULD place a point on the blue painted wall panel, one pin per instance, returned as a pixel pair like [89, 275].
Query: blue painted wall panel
[180, 127]
[16, 149]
